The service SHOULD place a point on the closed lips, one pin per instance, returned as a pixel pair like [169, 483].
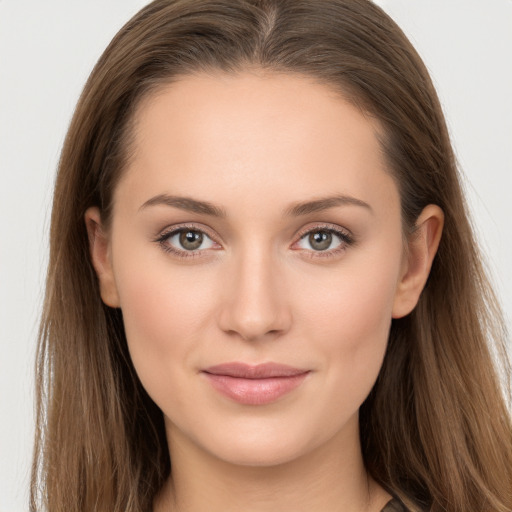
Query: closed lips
[254, 385]
[260, 371]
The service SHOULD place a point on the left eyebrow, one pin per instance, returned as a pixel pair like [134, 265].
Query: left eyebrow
[317, 205]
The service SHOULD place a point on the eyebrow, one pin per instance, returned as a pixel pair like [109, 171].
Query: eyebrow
[294, 210]
[317, 205]
[185, 203]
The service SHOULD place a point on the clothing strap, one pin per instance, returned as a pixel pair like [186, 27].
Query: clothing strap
[394, 506]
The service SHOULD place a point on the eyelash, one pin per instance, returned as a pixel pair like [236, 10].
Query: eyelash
[346, 240]
[345, 237]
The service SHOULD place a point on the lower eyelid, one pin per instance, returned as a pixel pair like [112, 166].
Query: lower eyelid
[319, 255]
[179, 253]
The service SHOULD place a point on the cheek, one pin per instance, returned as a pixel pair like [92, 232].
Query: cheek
[159, 308]
[350, 317]
[357, 308]
[357, 297]
[163, 312]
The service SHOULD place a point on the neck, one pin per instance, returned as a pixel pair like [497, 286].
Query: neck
[330, 478]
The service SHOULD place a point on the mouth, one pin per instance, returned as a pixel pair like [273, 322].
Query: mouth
[254, 384]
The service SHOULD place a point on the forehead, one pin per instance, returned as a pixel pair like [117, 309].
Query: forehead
[255, 134]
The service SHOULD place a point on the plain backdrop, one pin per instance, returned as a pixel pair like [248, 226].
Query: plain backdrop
[47, 50]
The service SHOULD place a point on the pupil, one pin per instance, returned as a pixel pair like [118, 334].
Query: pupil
[191, 239]
[320, 240]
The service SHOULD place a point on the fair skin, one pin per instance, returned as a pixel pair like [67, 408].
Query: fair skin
[258, 288]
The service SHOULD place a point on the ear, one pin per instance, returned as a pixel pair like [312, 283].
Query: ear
[99, 247]
[419, 255]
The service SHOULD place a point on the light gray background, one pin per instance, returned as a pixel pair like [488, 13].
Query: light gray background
[47, 50]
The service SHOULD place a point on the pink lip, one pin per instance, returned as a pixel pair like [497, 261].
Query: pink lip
[254, 385]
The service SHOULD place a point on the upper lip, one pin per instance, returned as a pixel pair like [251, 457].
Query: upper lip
[259, 371]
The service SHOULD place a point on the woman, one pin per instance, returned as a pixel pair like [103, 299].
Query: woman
[263, 288]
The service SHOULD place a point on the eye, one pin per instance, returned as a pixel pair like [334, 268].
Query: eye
[325, 241]
[190, 240]
[186, 241]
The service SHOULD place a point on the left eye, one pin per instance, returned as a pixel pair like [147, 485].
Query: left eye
[322, 240]
[189, 240]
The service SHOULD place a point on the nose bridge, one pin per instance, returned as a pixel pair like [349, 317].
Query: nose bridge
[254, 304]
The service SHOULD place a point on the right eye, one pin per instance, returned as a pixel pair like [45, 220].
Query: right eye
[186, 242]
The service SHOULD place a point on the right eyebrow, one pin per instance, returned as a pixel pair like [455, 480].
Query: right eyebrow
[185, 203]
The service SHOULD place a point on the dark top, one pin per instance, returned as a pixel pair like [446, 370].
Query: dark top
[394, 506]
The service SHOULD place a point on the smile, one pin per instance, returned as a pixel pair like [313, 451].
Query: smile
[254, 385]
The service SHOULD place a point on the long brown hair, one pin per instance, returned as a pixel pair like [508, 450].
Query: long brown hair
[436, 430]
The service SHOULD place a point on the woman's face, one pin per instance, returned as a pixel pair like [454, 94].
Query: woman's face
[256, 223]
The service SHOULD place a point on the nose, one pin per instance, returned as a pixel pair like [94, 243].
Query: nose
[254, 305]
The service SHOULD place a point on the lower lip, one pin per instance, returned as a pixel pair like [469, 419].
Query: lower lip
[255, 391]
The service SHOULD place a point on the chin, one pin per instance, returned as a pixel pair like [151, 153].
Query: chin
[260, 455]
[264, 445]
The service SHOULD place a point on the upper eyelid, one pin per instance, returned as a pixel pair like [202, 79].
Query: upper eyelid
[324, 225]
[168, 231]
